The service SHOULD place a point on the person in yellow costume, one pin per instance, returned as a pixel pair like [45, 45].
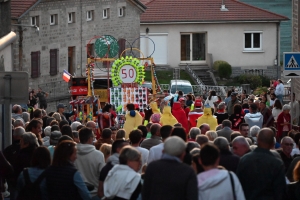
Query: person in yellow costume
[133, 119]
[208, 118]
[167, 118]
[154, 107]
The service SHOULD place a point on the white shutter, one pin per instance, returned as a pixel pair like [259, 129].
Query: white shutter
[160, 54]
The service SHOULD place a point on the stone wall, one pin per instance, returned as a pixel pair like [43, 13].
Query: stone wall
[271, 71]
[64, 35]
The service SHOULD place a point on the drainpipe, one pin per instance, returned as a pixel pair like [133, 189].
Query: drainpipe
[81, 37]
[20, 48]
[277, 50]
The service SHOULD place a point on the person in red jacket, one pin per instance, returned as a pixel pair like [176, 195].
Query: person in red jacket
[186, 109]
[283, 122]
[180, 115]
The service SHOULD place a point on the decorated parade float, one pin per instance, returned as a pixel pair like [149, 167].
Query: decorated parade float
[121, 85]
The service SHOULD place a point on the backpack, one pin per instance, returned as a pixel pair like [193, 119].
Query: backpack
[31, 191]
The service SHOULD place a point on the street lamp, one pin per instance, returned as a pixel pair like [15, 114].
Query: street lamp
[37, 29]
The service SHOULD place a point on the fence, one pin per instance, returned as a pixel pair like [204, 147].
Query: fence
[204, 89]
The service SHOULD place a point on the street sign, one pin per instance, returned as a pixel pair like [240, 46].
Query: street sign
[291, 64]
[18, 87]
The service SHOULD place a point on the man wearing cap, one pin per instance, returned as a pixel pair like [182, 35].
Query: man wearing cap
[169, 178]
[61, 110]
[230, 105]
[195, 114]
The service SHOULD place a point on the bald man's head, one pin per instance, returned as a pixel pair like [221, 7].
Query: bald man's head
[265, 138]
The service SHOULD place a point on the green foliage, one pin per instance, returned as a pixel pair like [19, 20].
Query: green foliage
[217, 64]
[253, 80]
[260, 90]
[225, 70]
[265, 81]
[165, 76]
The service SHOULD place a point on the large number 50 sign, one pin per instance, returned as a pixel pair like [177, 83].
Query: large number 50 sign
[127, 74]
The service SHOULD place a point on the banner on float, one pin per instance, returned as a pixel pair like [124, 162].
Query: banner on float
[123, 96]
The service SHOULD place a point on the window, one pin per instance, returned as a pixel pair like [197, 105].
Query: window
[53, 62]
[35, 64]
[121, 12]
[253, 41]
[105, 13]
[34, 21]
[193, 46]
[53, 19]
[71, 17]
[90, 50]
[89, 15]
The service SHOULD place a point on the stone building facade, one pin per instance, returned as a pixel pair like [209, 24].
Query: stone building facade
[63, 30]
[296, 42]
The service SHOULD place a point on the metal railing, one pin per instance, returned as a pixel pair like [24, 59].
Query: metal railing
[193, 75]
[204, 89]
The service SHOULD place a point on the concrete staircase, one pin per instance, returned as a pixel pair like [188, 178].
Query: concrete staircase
[203, 72]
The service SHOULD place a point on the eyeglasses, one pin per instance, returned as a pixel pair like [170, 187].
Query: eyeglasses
[288, 144]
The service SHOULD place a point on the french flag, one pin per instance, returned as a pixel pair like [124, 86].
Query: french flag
[66, 76]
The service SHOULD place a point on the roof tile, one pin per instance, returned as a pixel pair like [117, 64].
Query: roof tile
[203, 11]
[18, 7]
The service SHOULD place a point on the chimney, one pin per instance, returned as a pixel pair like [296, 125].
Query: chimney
[223, 7]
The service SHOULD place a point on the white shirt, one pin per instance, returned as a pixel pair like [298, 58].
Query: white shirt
[145, 154]
[211, 101]
[295, 151]
[279, 89]
[155, 152]
[275, 113]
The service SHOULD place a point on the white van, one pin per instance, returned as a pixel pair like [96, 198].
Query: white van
[183, 85]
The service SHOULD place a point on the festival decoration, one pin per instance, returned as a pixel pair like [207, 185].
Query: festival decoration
[127, 70]
[120, 97]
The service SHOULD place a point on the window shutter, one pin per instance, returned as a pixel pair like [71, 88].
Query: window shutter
[35, 64]
[121, 43]
[53, 62]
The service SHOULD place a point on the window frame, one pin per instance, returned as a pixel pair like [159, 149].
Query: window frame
[252, 41]
[105, 13]
[35, 70]
[121, 9]
[36, 20]
[87, 15]
[72, 14]
[54, 19]
[190, 34]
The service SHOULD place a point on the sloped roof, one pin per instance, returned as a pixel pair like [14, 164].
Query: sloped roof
[18, 7]
[163, 11]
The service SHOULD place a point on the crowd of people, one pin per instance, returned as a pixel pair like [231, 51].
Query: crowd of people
[184, 147]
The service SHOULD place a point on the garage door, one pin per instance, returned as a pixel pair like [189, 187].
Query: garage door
[160, 54]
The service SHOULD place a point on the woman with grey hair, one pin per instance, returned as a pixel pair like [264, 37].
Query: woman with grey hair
[253, 132]
[283, 122]
[212, 135]
[123, 180]
[193, 133]
[221, 114]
